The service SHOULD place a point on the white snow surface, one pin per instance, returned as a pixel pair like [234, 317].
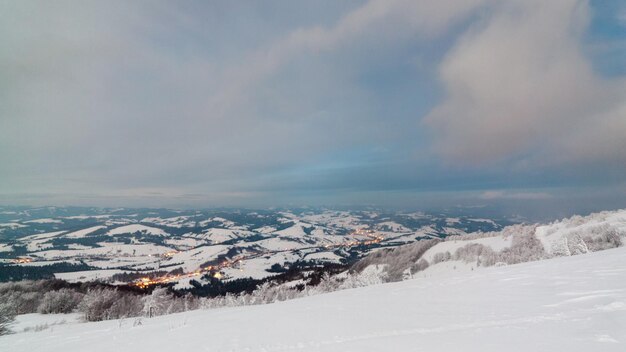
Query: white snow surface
[569, 304]
[217, 235]
[41, 236]
[297, 230]
[265, 229]
[36, 321]
[88, 275]
[280, 244]
[192, 259]
[177, 221]
[85, 217]
[137, 228]
[84, 232]
[112, 250]
[44, 221]
[256, 268]
[392, 226]
[328, 256]
[6, 247]
[12, 225]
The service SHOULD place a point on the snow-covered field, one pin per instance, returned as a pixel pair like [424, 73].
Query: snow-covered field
[38, 322]
[573, 303]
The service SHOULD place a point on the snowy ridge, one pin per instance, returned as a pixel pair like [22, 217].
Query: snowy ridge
[512, 245]
[579, 234]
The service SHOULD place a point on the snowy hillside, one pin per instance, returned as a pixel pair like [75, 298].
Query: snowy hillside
[514, 244]
[563, 304]
[179, 245]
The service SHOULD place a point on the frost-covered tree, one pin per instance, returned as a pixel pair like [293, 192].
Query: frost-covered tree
[396, 261]
[190, 302]
[7, 316]
[60, 301]
[25, 302]
[365, 278]
[442, 257]
[473, 252]
[421, 265]
[126, 306]
[525, 247]
[158, 303]
[328, 283]
[96, 304]
[602, 237]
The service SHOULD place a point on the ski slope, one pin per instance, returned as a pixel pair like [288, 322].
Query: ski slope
[565, 304]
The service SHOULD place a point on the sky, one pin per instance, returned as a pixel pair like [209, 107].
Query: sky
[265, 103]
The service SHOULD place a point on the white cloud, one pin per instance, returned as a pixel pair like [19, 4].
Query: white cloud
[519, 84]
[392, 18]
[147, 95]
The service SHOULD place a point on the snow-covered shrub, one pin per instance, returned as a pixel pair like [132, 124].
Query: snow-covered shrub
[264, 294]
[96, 304]
[396, 260]
[23, 302]
[602, 242]
[602, 237]
[328, 283]
[162, 301]
[176, 306]
[421, 264]
[60, 301]
[7, 316]
[157, 303]
[442, 257]
[190, 302]
[126, 306]
[473, 252]
[23, 296]
[525, 247]
[369, 276]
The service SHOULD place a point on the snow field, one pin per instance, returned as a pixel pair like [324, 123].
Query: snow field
[565, 304]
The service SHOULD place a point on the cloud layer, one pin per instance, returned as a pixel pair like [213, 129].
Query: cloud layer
[234, 104]
[519, 83]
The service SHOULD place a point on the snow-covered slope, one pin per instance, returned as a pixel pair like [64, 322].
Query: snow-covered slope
[565, 304]
[84, 232]
[134, 228]
[519, 243]
[577, 234]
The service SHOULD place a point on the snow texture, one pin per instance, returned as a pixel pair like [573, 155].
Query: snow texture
[137, 228]
[575, 303]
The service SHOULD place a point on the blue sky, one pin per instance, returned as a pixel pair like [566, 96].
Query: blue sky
[392, 103]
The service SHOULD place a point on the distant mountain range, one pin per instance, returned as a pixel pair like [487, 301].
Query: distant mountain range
[148, 246]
